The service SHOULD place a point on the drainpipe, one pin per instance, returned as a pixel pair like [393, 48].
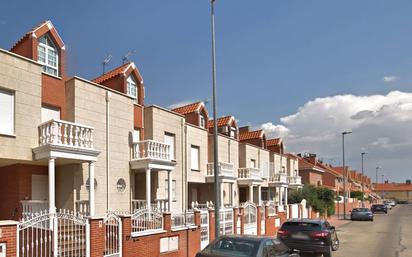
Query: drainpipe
[184, 164]
[108, 96]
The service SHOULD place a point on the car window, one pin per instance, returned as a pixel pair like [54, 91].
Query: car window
[307, 226]
[235, 247]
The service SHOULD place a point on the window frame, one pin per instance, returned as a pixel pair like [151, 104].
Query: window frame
[45, 63]
[173, 150]
[198, 158]
[202, 121]
[131, 82]
[12, 94]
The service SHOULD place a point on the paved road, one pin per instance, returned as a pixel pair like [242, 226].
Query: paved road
[388, 236]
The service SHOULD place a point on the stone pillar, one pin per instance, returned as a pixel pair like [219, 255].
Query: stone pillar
[259, 195]
[211, 225]
[97, 241]
[91, 189]
[280, 196]
[52, 185]
[148, 184]
[251, 193]
[259, 219]
[222, 197]
[286, 195]
[233, 195]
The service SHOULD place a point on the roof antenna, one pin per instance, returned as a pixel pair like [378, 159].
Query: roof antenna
[126, 56]
[106, 61]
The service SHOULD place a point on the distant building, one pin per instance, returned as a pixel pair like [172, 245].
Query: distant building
[395, 191]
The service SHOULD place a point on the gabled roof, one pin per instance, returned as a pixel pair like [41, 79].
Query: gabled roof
[189, 108]
[329, 169]
[121, 70]
[290, 155]
[251, 135]
[305, 165]
[393, 187]
[34, 33]
[274, 142]
[222, 121]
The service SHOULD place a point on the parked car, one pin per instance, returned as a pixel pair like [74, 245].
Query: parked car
[388, 206]
[361, 214]
[379, 208]
[402, 202]
[311, 236]
[392, 203]
[247, 246]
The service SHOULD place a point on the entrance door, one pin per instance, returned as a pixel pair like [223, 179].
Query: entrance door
[194, 194]
[39, 187]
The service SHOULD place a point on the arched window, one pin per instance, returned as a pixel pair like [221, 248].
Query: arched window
[132, 87]
[47, 55]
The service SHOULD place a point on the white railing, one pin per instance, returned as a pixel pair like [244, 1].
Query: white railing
[204, 229]
[295, 180]
[249, 173]
[278, 178]
[161, 205]
[202, 206]
[146, 221]
[183, 219]
[226, 169]
[150, 149]
[226, 221]
[31, 207]
[83, 207]
[58, 132]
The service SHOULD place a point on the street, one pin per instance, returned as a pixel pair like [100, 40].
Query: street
[388, 236]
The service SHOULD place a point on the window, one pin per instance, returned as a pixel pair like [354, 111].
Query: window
[6, 112]
[232, 132]
[49, 113]
[47, 55]
[194, 161]
[252, 163]
[136, 135]
[173, 189]
[202, 123]
[132, 87]
[170, 140]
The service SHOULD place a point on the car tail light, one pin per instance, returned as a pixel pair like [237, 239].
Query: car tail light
[283, 233]
[320, 234]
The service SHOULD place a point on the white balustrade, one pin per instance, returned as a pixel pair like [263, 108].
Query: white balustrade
[278, 178]
[31, 207]
[295, 180]
[83, 207]
[58, 132]
[161, 205]
[226, 169]
[249, 173]
[138, 204]
[150, 149]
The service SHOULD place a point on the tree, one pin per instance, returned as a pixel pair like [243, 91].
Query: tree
[319, 198]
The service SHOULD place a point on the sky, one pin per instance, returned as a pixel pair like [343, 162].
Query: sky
[303, 70]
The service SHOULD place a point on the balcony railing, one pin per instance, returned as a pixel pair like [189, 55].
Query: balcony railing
[162, 205]
[31, 207]
[150, 149]
[58, 132]
[249, 173]
[226, 169]
[295, 180]
[279, 178]
[83, 207]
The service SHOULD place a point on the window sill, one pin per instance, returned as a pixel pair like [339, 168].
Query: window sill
[195, 170]
[7, 135]
[51, 75]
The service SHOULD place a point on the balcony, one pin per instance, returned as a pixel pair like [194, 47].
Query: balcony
[226, 172]
[151, 154]
[249, 176]
[278, 179]
[161, 205]
[63, 139]
[31, 207]
[295, 181]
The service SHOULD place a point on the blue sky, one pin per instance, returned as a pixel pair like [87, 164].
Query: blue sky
[272, 56]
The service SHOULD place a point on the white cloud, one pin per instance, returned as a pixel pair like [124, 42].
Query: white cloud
[181, 103]
[381, 125]
[390, 78]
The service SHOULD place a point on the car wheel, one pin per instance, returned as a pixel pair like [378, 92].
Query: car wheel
[335, 245]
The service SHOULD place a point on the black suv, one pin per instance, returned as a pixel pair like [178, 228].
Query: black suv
[311, 236]
[379, 208]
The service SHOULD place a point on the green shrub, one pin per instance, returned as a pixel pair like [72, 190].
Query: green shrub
[319, 198]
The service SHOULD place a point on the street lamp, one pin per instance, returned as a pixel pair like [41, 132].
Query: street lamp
[215, 154]
[363, 190]
[344, 172]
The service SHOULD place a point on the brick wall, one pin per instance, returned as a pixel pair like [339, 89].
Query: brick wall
[8, 236]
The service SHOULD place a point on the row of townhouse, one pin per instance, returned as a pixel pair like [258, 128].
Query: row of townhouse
[92, 145]
[318, 173]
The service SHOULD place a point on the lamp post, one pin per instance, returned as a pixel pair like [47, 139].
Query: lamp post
[215, 154]
[363, 185]
[345, 175]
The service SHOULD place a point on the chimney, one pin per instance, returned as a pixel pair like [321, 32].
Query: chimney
[408, 181]
[386, 181]
[311, 157]
[244, 129]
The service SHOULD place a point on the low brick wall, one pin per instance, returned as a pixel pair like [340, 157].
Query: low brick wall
[8, 230]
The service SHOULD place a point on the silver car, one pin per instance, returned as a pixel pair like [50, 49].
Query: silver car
[361, 214]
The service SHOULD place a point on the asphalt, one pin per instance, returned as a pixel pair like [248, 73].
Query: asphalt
[390, 235]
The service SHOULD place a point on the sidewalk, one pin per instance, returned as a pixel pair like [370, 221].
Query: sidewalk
[338, 222]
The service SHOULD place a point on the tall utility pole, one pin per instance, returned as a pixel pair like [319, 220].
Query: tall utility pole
[376, 176]
[345, 175]
[215, 153]
[363, 182]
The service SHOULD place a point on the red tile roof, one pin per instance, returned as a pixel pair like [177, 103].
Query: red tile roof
[393, 187]
[222, 121]
[306, 165]
[189, 108]
[251, 135]
[274, 142]
[113, 73]
[290, 155]
[329, 169]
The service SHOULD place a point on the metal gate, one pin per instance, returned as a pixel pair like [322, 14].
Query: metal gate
[113, 235]
[47, 234]
[204, 229]
[249, 218]
[226, 221]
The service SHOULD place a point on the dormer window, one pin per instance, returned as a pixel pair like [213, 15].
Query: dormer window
[232, 132]
[131, 87]
[47, 55]
[202, 122]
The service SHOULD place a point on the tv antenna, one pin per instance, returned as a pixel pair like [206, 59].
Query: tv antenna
[126, 56]
[106, 61]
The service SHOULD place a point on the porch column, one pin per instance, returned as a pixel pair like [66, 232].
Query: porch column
[286, 195]
[233, 194]
[148, 189]
[259, 195]
[52, 186]
[91, 189]
[222, 197]
[169, 191]
[251, 193]
[280, 196]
